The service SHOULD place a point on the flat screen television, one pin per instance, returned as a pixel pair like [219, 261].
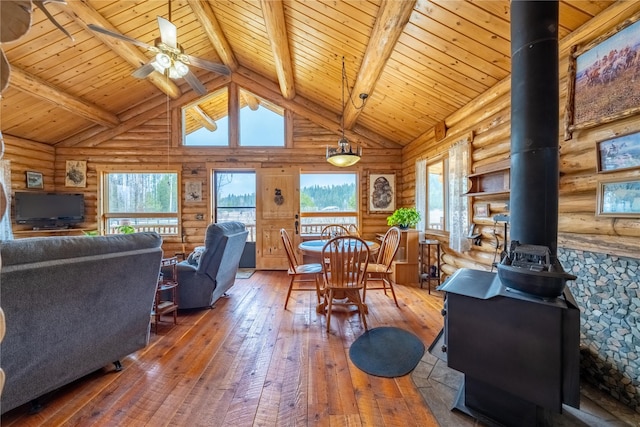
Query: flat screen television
[48, 210]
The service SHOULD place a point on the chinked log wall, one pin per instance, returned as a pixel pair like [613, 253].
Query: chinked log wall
[147, 144]
[487, 118]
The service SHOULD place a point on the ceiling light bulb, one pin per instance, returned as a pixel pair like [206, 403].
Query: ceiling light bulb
[163, 60]
[181, 68]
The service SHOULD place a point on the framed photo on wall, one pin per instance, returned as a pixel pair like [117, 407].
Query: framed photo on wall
[382, 192]
[34, 179]
[619, 198]
[76, 173]
[193, 191]
[622, 152]
[481, 210]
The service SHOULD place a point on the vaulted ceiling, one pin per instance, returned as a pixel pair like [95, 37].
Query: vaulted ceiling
[418, 61]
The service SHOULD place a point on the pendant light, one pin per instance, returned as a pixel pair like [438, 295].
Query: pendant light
[345, 154]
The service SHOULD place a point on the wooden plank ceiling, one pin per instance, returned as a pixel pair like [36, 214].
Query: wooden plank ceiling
[418, 60]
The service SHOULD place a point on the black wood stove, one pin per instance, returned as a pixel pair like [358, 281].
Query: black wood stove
[519, 353]
[515, 334]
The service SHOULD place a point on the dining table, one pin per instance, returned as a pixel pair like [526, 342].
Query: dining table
[312, 252]
[312, 249]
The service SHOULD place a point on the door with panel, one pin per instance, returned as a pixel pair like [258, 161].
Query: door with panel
[277, 206]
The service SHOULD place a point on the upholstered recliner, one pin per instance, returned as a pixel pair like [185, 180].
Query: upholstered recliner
[211, 270]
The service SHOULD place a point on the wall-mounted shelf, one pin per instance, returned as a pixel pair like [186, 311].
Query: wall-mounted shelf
[492, 179]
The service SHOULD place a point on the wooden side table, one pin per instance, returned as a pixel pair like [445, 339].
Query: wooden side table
[166, 301]
[429, 271]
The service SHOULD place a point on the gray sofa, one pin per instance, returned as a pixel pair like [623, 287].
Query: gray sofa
[211, 270]
[73, 305]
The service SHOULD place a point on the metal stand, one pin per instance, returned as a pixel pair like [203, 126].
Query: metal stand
[429, 272]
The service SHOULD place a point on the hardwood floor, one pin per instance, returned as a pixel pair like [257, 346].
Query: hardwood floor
[249, 362]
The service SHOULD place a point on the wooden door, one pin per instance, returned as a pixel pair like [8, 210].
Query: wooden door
[277, 206]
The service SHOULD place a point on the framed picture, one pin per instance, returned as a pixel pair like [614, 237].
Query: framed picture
[34, 179]
[76, 173]
[620, 198]
[602, 83]
[622, 152]
[481, 210]
[382, 192]
[193, 191]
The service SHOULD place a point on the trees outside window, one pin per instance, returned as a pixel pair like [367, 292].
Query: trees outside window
[147, 201]
[328, 198]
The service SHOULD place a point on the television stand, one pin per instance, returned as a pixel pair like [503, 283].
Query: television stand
[52, 227]
[49, 232]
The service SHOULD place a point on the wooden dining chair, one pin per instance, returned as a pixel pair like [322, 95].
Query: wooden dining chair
[353, 230]
[300, 273]
[348, 259]
[333, 230]
[380, 272]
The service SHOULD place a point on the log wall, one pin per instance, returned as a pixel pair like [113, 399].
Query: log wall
[487, 118]
[149, 144]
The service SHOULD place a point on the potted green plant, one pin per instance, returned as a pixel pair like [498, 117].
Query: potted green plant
[126, 229]
[404, 218]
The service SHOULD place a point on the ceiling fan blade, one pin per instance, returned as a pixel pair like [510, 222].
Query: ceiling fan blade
[208, 65]
[144, 71]
[168, 32]
[195, 83]
[98, 29]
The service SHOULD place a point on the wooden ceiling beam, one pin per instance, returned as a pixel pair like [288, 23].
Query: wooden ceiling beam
[83, 14]
[392, 17]
[203, 118]
[138, 115]
[273, 12]
[252, 101]
[207, 19]
[39, 88]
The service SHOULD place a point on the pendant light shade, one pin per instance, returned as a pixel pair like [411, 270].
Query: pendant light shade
[344, 155]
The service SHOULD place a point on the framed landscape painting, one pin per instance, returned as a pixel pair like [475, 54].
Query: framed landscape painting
[619, 198]
[604, 79]
[34, 179]
[622, 152]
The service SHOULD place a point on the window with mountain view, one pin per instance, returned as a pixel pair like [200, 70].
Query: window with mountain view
[140, 201]
[327, 198]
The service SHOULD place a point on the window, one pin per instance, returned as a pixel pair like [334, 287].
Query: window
[328, 198]
[206, 122]
[437, 195]
[147, 201]
[261, 122]
[235, 199]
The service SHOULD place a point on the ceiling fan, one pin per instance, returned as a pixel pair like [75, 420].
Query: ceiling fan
[170, 58]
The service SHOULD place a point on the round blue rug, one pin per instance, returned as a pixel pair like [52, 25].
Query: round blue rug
[386, 352]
